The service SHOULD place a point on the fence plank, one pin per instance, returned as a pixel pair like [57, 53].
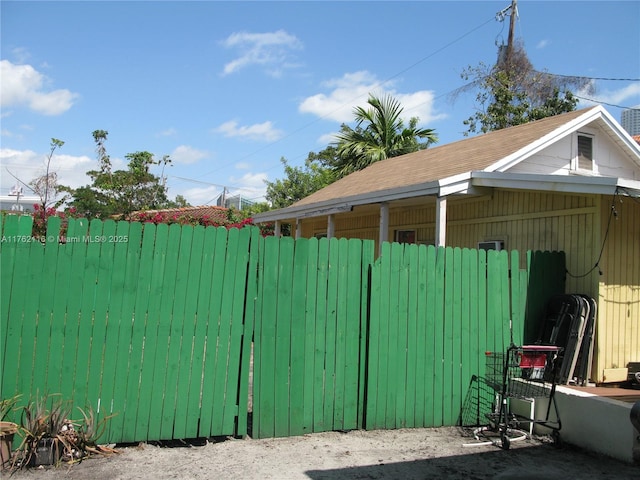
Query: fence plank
[310, 319]
[77, 230]
[353, 290]
[420, 292]
[251, 306]
[283, 338]
[86, 344]
[298, 336]
[340, 333]
[193, 397]
[20, 275]
[188, 331]
[320, 373]
[151, 319]
[43, 365]
[115, 291]
[368, 247]
[264, 373]
[158, 331]
[235, 340]
[211, 419]
[121, 368]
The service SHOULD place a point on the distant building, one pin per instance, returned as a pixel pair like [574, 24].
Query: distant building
[631, 120]
[16, 201]
[235, 201]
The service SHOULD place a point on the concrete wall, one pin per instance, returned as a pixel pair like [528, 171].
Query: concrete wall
[596, 424]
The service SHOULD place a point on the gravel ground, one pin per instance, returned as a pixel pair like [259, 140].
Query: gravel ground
[434, 453]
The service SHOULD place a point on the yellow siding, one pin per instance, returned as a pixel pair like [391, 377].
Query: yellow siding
[618, 335]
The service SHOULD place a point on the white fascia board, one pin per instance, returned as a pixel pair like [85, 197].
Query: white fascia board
[343, 204]
[630, 187]
[625, 137]
[547, 183]
[460, 183]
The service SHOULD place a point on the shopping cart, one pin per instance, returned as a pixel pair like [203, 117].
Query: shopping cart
[527, 373]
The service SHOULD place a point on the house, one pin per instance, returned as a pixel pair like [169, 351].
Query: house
[569, 182]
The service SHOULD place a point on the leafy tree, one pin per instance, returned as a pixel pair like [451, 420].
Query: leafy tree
[46, 186]
[512, 92]
[379, 133]
[299, 182]
[121, 192]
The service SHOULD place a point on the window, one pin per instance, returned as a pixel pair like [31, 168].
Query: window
[585, 152]
[406, 236]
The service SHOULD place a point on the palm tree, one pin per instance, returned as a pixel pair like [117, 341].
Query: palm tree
[380, 133]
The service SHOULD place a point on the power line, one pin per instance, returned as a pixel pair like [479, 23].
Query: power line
[377, 85]
[600, 102]
[589, 78]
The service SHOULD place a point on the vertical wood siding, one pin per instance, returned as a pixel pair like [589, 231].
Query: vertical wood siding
[618, 332]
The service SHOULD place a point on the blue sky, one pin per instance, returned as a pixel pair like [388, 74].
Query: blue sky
[227, 89]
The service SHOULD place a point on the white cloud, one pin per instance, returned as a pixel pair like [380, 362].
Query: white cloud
[22, 85]
[251, 186]
[188, 155]
[27, 165]
[353, 89]
[21, 54]
[626, 95]
[169, 132]
[327, 138]
[197, 196]
[259, 131]
[543, 44]
[271, 50]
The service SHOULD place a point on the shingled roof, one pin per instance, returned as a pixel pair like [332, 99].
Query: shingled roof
[435, 163]
[455, 167]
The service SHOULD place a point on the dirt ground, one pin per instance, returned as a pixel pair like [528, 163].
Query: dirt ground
[434, 453]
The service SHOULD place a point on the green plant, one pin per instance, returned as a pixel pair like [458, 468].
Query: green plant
[7, 405]
[90, 432]
[46, 426]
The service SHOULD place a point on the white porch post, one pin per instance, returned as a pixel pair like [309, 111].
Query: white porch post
[331, 227]
[298, 228]
[441, 221]
[276, 229]
[384, 225]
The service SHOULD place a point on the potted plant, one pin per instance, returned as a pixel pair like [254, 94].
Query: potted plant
[50, 437]
[7, 430]
[40, 428]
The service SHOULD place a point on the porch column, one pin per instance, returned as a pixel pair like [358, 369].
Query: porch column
[331, 227]
[298, 228]
[441, 221]
[276, 229]
[384, 225]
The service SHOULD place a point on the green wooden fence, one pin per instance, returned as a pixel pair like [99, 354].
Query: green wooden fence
[157, 325]
[148, 323]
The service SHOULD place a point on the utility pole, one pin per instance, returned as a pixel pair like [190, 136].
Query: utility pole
[505, 53]
[512, 26]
